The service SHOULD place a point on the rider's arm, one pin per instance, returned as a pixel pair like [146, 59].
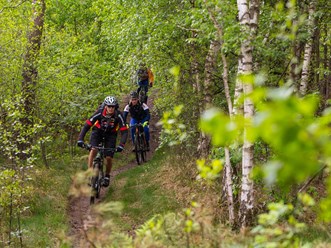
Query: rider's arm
[147, 113]
[123, 129]
[126, 112]
[82, 133]
[88, 124]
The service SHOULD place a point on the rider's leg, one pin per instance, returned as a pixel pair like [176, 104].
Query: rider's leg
[146, 131]
[110, 142]
[109, 164]
[132, 129]
[141, 84]
[146, 90]
[91, 157]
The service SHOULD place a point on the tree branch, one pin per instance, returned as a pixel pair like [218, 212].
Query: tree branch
[12, 7]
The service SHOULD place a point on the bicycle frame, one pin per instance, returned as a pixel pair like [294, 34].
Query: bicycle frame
[96, 180]
[140, 145]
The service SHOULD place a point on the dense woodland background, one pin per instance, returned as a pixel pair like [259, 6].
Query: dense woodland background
[242, 85]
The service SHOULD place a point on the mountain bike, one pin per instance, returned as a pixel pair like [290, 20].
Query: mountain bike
[140, 144]
[96, 181]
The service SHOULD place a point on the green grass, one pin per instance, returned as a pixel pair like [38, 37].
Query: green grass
[47, 220]
[316, 234]
[141, 193]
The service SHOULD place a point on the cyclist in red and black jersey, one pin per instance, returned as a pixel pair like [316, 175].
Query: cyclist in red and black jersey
[107, 121]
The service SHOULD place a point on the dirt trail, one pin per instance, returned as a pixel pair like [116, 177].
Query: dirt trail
[80, 214]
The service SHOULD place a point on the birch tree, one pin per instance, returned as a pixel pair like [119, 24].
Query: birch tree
[228, 183]
[248, 18]
[308, 51]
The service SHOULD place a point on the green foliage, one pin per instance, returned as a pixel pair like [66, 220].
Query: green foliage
[175, 230]
[16, 174]
[14, 198]
[280, 226]
[288, 125]
[209, 172]
[325, 205]
[173, 131]
[225, 131]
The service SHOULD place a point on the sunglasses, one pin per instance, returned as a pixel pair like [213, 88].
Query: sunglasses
[110, 106]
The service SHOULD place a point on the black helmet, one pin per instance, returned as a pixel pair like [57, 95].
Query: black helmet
[134, 94]
[111, 101]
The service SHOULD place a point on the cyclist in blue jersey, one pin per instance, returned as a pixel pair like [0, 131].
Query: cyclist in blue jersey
[139, 114]
[145, 79]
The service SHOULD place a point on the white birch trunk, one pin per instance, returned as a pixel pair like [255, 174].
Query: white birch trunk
[228, 166]
[228, 186]
[227, 183]
[238, 91]
[307, 52]
[248, 17]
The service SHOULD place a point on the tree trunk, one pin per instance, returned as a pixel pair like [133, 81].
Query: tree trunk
[30, 72]
[238, 91]
[210, 67]
[248, 18]
[228, 186]
[228, 168]
[307, 52]
[317, 65]
[197, 85]
[326, 64]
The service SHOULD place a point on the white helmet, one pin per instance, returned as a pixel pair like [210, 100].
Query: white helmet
[111, 101]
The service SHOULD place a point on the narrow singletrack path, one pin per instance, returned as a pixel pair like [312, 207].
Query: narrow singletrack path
[81, 216]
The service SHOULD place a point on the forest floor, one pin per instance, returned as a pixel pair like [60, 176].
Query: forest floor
[81, 216]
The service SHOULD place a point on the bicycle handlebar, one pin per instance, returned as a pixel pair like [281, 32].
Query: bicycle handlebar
[136, 125]
[89, 147]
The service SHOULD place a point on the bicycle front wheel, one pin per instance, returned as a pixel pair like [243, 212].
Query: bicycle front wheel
[138, 150]
[96, 181]
[143, 146]
[93, 183]
[100, 181]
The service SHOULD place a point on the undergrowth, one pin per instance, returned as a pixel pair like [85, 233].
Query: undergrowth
[158, 204]
[47, 223]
